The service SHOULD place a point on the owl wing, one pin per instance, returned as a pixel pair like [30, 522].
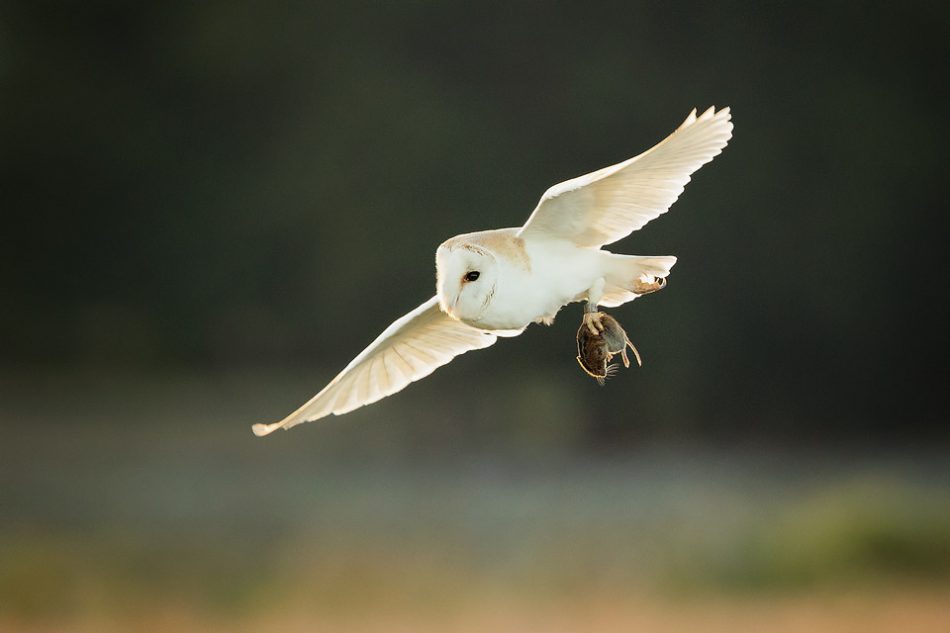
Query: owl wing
[609, 204]
[411, 348]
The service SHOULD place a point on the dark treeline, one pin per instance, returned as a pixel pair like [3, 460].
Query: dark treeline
[217, 185]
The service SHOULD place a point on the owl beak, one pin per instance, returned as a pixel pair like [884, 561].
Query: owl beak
[451, 308]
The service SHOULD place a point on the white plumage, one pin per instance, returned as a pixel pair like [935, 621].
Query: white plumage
[496, 283]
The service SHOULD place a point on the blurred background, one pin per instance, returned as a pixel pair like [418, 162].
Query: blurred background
[196, 195]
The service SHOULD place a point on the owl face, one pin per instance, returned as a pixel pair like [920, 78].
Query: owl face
[466, 276]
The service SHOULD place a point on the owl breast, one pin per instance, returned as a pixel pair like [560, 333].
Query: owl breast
[534, 280]
[520, 298]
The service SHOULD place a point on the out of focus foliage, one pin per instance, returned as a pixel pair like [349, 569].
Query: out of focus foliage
[191, 516]
[226, 183]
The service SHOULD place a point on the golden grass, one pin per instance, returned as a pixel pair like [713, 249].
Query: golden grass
[925, 611]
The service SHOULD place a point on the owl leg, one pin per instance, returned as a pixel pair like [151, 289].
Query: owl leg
[592, 317]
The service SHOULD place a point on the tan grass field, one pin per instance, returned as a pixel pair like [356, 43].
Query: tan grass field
[927, 611]
[180, 525]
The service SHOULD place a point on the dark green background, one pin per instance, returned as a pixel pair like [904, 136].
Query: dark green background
[203, 188]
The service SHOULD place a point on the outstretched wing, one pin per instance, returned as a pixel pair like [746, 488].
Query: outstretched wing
[613, 202]
[411, 348]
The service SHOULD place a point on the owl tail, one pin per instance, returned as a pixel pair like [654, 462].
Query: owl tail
[630, 276]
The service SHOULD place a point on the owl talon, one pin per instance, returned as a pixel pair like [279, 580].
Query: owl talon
[594, 322]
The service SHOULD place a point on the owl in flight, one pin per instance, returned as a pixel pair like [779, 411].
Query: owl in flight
[496, 283]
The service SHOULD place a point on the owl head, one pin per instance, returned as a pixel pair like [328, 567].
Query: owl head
[466, 275]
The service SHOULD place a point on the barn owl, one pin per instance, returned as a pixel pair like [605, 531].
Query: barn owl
[495, 283]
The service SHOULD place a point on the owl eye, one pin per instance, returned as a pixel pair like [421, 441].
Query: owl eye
[471, 276]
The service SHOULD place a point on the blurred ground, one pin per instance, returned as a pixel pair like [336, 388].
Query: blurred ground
[920, 613]
[146, 504]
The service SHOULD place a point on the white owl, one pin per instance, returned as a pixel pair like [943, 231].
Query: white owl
[496, 283]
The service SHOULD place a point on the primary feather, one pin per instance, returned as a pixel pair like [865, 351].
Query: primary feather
[610, 203]
[411, 348]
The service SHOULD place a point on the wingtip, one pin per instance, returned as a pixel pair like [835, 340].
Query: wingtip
[260, 430]
[709, 113]
[721, 118]
[690, 119]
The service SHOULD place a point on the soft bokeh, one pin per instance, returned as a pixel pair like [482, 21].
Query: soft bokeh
[209, 208]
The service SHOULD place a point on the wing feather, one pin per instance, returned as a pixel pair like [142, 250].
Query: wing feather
[410, 349]
[610, 203]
